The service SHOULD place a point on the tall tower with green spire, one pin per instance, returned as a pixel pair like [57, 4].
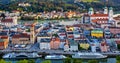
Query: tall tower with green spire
[91, 11]
[110, 14]
[105, 10]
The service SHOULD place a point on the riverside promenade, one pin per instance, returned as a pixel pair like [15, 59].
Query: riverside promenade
[57, 52]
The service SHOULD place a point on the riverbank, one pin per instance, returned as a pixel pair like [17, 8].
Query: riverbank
[40, 60]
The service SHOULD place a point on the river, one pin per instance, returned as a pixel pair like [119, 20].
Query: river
[42, 21]
[39, 60]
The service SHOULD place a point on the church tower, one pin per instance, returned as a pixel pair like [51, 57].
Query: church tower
[91, 11]
[105, 10]
[32, 34]
[110, 14]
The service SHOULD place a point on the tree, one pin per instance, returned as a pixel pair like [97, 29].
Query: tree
[77, 61]
[22, 61]
[93, 61]
[3, 61]
[67, 60]
[104, 60]
[118, 59]
[31, 61]
[46, 61]
[118, 46]
[55, 35]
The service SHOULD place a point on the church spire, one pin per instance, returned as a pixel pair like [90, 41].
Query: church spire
[110, 14]
[91, 11]
[105, 10]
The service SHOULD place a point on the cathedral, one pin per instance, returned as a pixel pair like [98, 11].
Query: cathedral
[99, 18]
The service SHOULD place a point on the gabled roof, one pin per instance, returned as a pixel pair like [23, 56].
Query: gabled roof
[99, 15]
[22, 35]
[4, 37]
[7, 20]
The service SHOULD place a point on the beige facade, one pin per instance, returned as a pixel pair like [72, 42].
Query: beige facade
[21, 39]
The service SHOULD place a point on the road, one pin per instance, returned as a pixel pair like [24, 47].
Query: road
[55, 51]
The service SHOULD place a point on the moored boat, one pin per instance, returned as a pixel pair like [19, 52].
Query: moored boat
[55, 57]
[20, 55]
[89, 56]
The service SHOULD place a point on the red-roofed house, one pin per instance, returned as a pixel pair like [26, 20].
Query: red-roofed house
[9, 21]
[21, 39]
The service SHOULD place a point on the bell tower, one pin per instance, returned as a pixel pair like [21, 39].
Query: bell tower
[91, 11]
[105, 10]
[110, 14]
[32, 32]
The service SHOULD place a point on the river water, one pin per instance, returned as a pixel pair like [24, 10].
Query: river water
[39, 60]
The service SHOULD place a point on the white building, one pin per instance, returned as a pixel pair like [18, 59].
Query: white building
[73, 45]
[45, 44]
[66, 47]
[93, 48]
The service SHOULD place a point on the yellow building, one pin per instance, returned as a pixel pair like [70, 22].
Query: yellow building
[84, 45]
[70, 14]
[97, 33]
[69, 28]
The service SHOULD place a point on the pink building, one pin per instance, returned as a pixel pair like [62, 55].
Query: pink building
[114, 30]
[103, 47]
[55, 43]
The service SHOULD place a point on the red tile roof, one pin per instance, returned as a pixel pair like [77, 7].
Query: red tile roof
[71, 36]
[7, 20]
[99, 15]
[4, 37]
[117, 41]
[103, 44]
[16, 36]
[21, 35]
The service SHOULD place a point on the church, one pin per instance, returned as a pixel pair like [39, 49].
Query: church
[104, 17]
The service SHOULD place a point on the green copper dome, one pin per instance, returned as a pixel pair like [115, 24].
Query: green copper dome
[110, 8]
[90, 9]
[105, 7]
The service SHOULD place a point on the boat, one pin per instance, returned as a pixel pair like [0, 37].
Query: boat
[88, 55]
[21, 55]
[55, 57]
